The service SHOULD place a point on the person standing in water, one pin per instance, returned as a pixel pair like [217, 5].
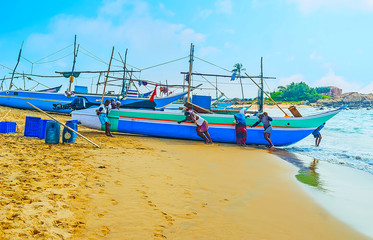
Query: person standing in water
[265, 119]
[317, 135]
[103, 112]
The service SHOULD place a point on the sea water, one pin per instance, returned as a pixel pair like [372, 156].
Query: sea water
[343, 165]
[347, 139]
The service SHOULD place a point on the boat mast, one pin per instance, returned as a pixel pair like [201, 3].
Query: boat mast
[72, 71]
[261, 97]
[14, 70]
[107, 76]
[190, 69]
[124, 71]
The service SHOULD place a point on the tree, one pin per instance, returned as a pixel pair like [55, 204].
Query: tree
[238, 67]
[296, 92]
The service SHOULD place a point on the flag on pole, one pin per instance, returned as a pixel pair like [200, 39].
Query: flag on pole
[154, 93]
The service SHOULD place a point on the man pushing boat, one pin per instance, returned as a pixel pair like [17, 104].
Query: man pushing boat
[202, 125]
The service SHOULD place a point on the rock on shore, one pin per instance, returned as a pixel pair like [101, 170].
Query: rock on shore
[353, 99]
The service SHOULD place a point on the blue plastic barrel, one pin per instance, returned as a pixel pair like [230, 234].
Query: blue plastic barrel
[42, 126]
[52, 132]
[69, 136]
[32, 126]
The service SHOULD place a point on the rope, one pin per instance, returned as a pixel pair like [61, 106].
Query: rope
[267, 85]
[54, 60]
[249, 84]
[164, 63]
[27, 60]
[213, 86]
[6, 67]
[94, 57]
[213, 64]
[53, 53]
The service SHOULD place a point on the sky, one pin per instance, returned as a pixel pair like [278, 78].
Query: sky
[320, 42]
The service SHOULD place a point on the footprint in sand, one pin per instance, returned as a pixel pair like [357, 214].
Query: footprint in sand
[114, 202]
[105, 230]
[159, 235]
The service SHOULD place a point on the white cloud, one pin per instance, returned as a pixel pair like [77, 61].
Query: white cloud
[165, 10]
[368, 88]
[294, 78]
[204, 13]
[123, 24]
[136, 29]
[330, 79]
[314, 56]
[223, 6]
[230, 31]
[207, 51]
[308, 6]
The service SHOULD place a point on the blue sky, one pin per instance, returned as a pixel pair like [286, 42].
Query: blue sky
[320, 42]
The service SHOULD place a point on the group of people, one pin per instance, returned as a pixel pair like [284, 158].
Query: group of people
[240, 121]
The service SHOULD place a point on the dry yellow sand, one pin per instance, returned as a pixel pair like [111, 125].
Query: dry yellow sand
[137, 187]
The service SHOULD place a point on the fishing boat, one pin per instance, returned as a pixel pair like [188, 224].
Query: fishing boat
[286, 130]
[48, 101]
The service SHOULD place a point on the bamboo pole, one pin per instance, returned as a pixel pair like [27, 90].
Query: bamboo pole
[107, 76]
[190, 69]
[5, 115]
[63, 124]
[14, 70]
[267, 95]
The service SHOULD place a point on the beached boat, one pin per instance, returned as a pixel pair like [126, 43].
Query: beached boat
[286, 130]
[48, 101]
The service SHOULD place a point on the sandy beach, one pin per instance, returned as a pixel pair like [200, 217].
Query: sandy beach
[136, 187]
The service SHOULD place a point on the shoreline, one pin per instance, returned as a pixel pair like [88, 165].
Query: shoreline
[138, 187]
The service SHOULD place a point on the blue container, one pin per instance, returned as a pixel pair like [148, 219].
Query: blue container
[42, 126]
[81, 89]
[32, 126]
[202, 101]
[52, 132]
[69, 136]
[8, 127]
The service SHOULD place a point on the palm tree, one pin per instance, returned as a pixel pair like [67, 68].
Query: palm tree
[238, 67]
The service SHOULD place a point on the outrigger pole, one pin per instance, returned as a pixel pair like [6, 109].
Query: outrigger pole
[14, 70]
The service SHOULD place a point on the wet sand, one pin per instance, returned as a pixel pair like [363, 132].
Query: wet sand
[137, 187]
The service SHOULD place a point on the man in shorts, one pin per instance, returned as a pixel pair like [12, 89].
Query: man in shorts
[265, 119]
[103, 112]
[317, 135]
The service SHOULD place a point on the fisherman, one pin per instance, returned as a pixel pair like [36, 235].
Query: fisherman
[317, 135]
[241, 133]
[103, 112]
[202, 125]
[114, 104]
[265, 119]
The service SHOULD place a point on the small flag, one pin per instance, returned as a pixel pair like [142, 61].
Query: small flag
[187, 77]
[154, 93]
[233, 76]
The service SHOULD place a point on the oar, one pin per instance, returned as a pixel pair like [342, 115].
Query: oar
[5, 115]
[267, 95]
[63, 124]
